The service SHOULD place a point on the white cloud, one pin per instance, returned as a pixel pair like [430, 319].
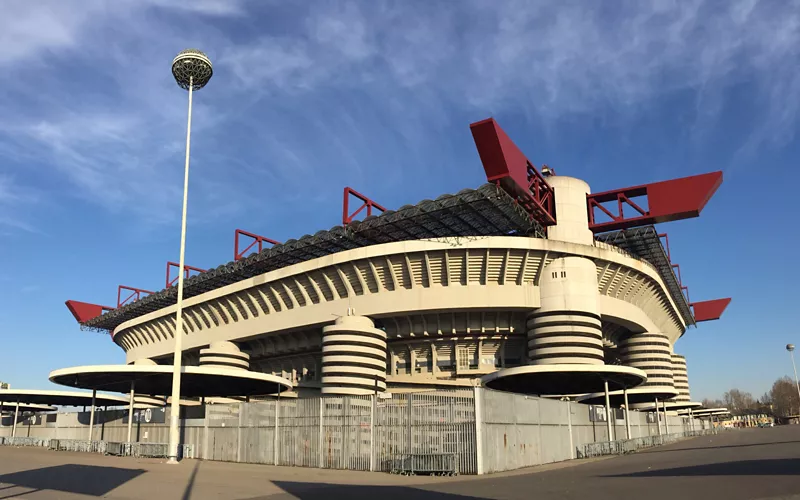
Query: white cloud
[327, 89]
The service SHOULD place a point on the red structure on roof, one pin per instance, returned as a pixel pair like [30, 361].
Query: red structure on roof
[136, 294]
[710, 310]
[508, 167]
[666, 201]
[347, 216]
[257, 240]
[83, 311]
[186, 269]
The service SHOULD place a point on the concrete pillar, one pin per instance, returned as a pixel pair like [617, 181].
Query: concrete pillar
[627, 414]
[566, 329]
[658, 419]
[353, 357]
[608, 411]
[681, 378]
[666, 417]
[651, 353]
[16, 416]
[571, 215]
[91, 415]
[130, 410]
[226, 355]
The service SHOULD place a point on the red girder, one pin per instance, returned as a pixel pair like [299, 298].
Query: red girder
[509, 168]
[136, 294]
[667, 201]
[367, 203]
[186, 269]
[257, 240]
[83, 311]
[709, 310]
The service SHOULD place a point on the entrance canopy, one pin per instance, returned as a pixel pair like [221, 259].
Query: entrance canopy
[544, 380]
[24, 407]
[59, 398]
[638, 395]
[156, 380]
[671, 406]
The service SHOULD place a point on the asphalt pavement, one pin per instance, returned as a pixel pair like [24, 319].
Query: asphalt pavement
[738, 464]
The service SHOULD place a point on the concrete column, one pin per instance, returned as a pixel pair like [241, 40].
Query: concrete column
[651, 353]
[275, 440]
[91, 415]
[321, 433]
[658, 419]
[477, 400]
[373, 407]
[16, 416]
[354, 357]
[130, 410]
[608, 411]
[681, 378]
[666, 417]
[627, 414]
[569, 426]
[566, 329]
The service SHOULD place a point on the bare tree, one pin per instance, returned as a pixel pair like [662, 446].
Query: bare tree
[784, 398]
[712, 403]
[739, 402]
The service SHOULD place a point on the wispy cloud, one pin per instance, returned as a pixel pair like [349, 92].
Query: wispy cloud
[306, 95]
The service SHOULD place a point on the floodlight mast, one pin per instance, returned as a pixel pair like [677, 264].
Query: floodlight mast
[192, 71]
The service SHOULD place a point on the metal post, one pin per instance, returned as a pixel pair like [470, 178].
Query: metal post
[569, 426]
[205, 428]
[478, 402]
[16, 416]
[91, 415]
[176, 362]
[666, 417]
[658, 418]
[372, 433]
[275, 438]
[627, 414]
[691, 420]
[796, 383]
[130, 411]
[239, 432]
[608, 410]
[321, 432]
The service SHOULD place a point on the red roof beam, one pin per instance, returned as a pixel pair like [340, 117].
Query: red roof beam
[347, 216]
[186, 269]
[666, 245]
[710, 310]
[136, 294]
[666, 201]
[83, 311]
[508, 167]
[257, 240]
[686, 294]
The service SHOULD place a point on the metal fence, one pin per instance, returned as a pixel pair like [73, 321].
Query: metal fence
[467, 431]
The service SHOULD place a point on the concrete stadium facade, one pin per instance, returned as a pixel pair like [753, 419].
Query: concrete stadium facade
[434, 313]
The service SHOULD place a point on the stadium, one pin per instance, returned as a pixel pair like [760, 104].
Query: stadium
[529, 283]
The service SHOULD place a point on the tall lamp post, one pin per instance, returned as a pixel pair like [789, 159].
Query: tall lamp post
[790, 348]
[192, 71]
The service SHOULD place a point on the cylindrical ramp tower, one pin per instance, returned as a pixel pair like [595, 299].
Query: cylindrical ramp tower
[566, 329]
[224, 355]
[353, 357]
[651, 353]
[681, 378]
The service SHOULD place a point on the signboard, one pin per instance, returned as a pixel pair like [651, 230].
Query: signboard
[597, 414]
[147, 416]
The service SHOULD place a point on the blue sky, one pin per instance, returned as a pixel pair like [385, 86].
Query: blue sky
[308, 97]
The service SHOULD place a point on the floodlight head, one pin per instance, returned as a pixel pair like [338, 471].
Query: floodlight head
[790, 347]
[192, 68]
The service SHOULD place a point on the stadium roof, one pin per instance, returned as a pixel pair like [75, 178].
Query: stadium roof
[486, 211]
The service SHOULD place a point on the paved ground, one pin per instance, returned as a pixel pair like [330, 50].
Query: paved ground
[744, 464]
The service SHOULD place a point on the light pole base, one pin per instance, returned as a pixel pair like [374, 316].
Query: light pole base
[173, 461]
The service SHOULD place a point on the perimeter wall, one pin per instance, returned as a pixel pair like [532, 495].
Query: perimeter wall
[485, 431]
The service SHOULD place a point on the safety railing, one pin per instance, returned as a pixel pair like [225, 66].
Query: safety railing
[24, 441]
[623, 446]
[78, 445]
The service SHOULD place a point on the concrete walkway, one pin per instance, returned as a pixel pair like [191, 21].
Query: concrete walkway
[745, 464]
